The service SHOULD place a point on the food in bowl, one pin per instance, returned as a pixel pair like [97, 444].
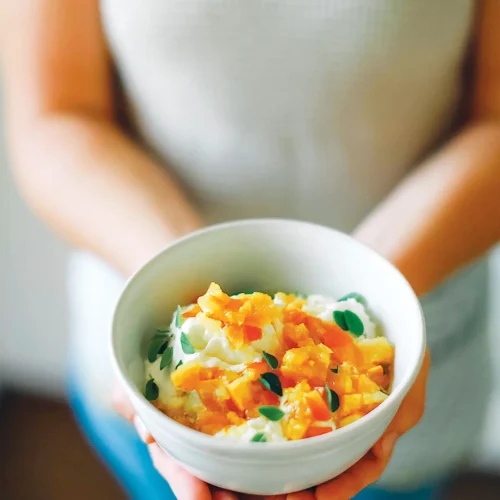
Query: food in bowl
[256, 367]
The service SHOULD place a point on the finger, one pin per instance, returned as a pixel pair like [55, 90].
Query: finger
[412, 408]
[301, 495]
[361, 474]
[121, 403]
[224, 495]
[142, 431]
[184, 485]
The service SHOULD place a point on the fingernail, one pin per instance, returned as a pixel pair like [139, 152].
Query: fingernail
[389, 442]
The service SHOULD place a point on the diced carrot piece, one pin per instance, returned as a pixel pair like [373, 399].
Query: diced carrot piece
[317, 431]
[318, 406]
[257, 368]
[335, 337]
[252, 333]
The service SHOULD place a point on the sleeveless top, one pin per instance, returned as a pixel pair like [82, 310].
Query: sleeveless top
[306, 109]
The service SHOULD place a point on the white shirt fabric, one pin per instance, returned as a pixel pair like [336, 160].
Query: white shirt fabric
[307, 109]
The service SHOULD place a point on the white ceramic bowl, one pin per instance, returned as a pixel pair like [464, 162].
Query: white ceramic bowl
[267, 255]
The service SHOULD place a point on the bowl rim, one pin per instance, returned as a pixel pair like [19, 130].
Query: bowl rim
[186, 433]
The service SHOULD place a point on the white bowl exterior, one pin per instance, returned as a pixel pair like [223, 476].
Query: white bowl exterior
[268, 255]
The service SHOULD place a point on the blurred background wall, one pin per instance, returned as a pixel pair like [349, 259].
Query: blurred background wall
[33, 317]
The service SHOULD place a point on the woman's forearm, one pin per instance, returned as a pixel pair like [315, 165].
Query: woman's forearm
[445, 214]
[98, 189]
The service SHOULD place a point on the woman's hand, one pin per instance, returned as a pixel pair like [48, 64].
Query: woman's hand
[344, 487]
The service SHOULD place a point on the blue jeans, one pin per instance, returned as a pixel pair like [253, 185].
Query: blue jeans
[117, 444]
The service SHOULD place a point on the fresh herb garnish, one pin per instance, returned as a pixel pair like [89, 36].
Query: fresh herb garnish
[151, 390]
[178, 364]
[354, 324]
[272, 382]
[163, 329]
[260, 437]
[353, 295]
[335, 370]
[166, 358]
[271, 360]
[272, 413]
[155, 346]
[339, 318]
[333, 399]
[178, 317]
[187, 347]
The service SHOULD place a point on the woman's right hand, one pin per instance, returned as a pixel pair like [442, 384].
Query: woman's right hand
[184, 485]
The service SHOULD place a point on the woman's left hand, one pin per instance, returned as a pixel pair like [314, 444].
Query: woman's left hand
[343, 487]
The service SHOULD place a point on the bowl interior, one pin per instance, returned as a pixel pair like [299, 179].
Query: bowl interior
[266, 255]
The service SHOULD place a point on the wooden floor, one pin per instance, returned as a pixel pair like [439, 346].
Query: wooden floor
[44, 457]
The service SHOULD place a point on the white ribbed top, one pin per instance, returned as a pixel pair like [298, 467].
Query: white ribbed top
[310, 109]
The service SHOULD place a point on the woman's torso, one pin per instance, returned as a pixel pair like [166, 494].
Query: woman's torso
[310, 109]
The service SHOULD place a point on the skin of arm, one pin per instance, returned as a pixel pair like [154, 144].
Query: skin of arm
[74, 166]
[446, 213]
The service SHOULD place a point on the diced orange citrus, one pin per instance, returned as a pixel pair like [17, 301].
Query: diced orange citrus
[377, 351]
[188, 376]
[376, 373]
[241, 392]
[351, 403]
[309, 362]
[350, 419]
[213, 394]
[365, 384]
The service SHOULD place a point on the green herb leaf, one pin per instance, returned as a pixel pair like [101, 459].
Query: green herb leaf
[187, 347]
[155, 346]
[151, 391]
[353, 295]
[333, 399]
[272, 413]
[166, 358]
[178, 364]
[335, 370]
[163, 329]
[178, 317]
[272, 382]
[260, 437]
[339, 318]
[354, 323]
[271, 360]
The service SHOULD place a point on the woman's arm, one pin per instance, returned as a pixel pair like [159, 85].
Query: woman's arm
[447, 212]
[75, 167]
